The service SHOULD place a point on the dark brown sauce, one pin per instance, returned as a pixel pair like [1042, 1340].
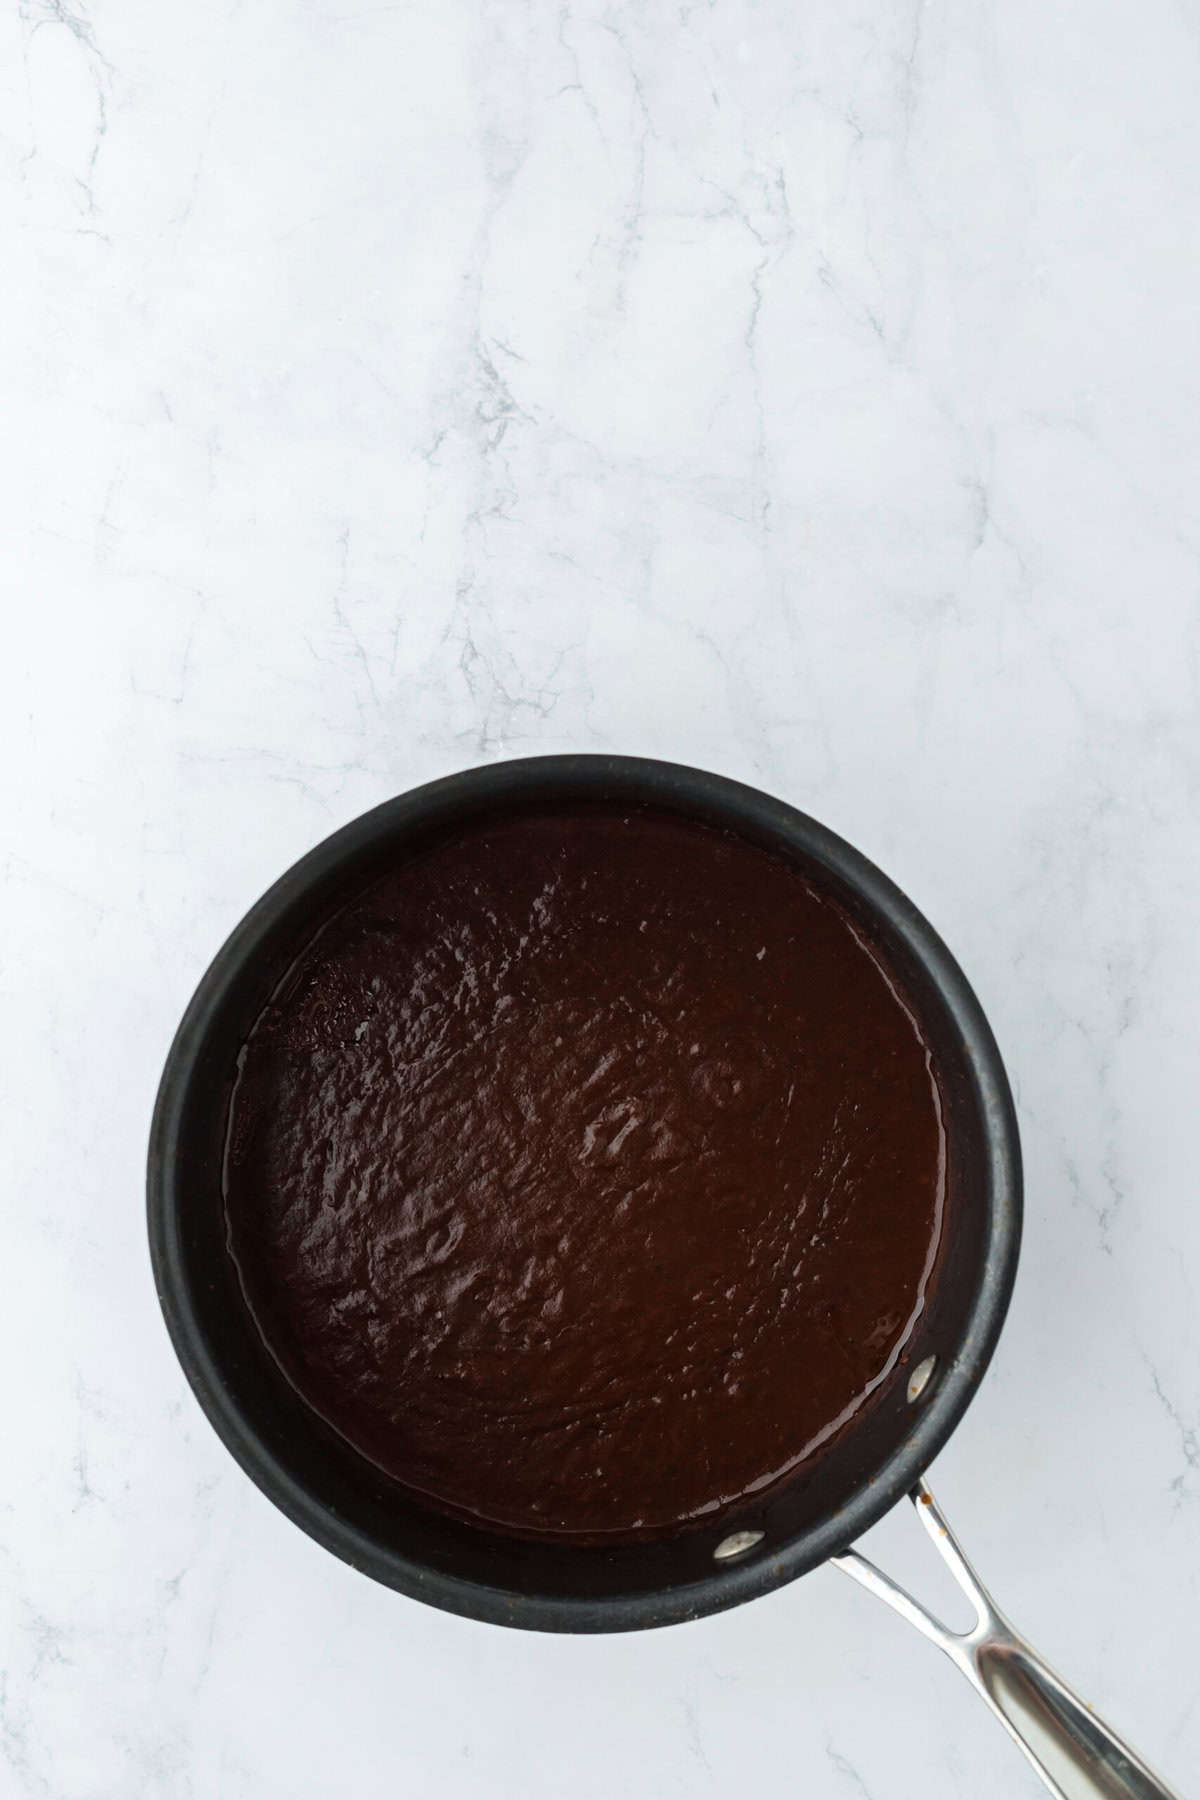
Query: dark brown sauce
[587, 1172]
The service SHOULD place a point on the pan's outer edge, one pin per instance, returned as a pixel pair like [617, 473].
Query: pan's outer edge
[688, 788]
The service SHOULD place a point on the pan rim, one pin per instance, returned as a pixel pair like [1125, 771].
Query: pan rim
[689, 789]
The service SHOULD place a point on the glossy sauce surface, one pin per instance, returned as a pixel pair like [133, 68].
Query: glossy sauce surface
[587, 1172]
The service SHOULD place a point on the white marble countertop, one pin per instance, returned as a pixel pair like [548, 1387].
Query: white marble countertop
[810, 393]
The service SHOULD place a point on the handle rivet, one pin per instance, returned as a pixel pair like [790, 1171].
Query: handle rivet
[920, 1378]
[736, 1544]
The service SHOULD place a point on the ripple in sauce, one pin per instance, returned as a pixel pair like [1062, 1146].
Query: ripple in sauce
[587, 1172]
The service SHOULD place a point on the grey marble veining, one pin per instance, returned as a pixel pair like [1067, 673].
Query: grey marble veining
[808, 393]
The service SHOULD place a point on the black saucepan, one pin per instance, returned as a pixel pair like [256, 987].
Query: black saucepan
[347, 1504]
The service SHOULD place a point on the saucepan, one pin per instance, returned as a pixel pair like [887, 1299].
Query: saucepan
[352, 1508]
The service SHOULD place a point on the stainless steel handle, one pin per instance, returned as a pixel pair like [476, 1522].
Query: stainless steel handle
[1076, 1755]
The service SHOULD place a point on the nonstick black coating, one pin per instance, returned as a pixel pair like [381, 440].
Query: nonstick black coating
[359, 1513]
